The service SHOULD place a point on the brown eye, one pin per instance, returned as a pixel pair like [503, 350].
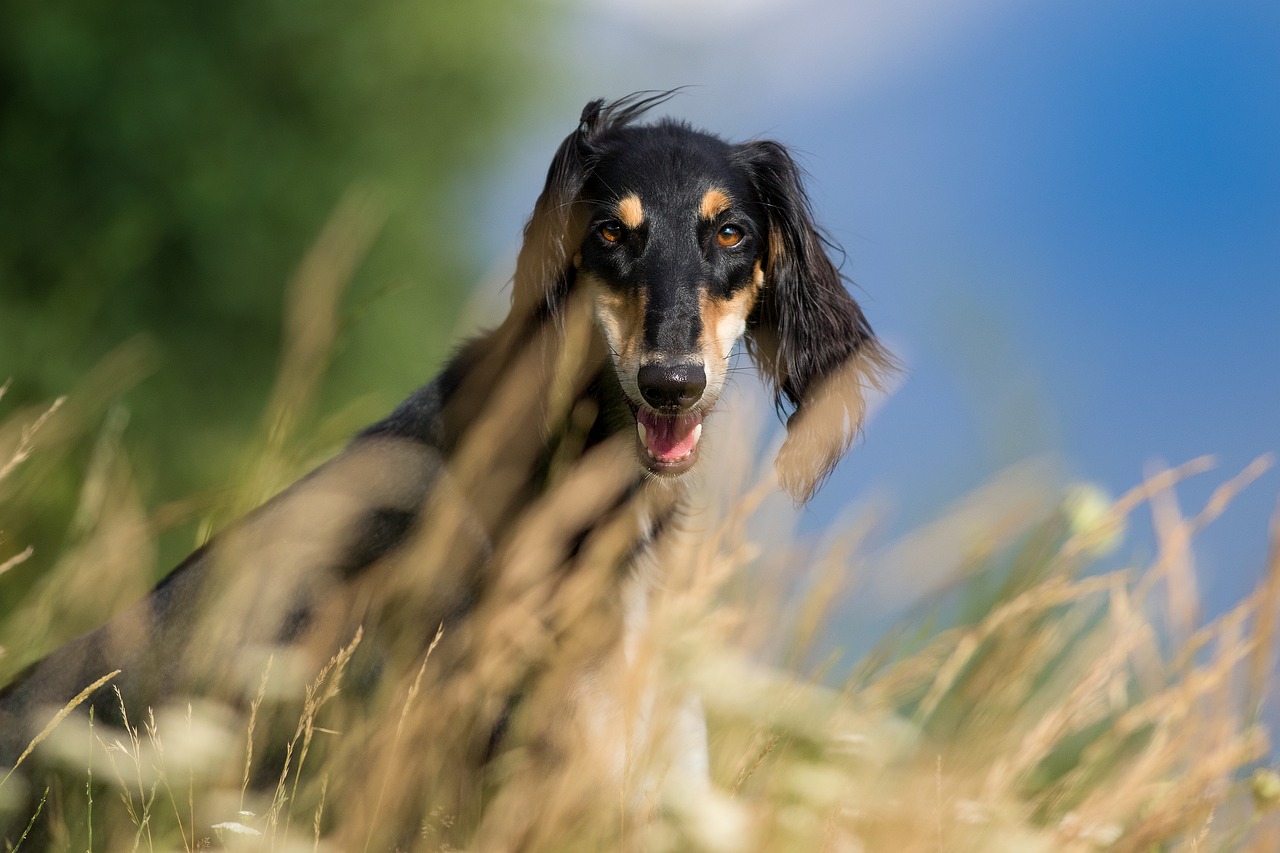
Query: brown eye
[729, 236]
[610, 232]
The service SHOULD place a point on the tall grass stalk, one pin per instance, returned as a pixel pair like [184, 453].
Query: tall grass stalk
[1036, 698]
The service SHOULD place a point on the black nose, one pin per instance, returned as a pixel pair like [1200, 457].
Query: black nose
[668, 387]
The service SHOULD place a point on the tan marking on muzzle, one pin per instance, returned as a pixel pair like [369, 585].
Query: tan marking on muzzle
[621, 319]
[723, 322]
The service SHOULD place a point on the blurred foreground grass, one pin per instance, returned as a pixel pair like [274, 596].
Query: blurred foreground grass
[1062, 707]
[163, 167]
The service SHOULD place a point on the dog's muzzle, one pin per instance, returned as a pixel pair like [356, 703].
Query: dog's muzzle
[667, 426]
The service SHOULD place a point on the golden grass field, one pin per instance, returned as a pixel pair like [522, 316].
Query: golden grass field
[1033, 702]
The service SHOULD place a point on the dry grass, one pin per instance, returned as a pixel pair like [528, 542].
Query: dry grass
[1072, 709]
[1082, 711]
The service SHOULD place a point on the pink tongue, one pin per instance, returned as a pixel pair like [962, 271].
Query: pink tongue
[667, 437]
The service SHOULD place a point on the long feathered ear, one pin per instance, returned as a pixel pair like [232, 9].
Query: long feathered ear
[806, 334]
[555, 230]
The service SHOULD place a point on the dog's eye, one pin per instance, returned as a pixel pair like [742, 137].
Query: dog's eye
[610, 232]
[729, 236]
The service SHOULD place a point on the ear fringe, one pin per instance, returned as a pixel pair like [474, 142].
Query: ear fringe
[807, 335]
[821, 431]
[543, 262]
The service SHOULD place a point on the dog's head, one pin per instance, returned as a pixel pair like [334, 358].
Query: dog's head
[686, 244]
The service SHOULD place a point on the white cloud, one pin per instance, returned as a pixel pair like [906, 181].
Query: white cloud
[783, 49]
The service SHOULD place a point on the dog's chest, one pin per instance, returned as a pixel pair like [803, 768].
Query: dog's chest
[638, 725]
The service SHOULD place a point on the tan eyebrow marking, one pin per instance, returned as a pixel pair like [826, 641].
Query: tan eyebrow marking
[630, 211]
[714, 203]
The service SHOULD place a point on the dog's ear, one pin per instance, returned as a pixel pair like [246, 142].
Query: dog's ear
[806, 334]
[554, 230]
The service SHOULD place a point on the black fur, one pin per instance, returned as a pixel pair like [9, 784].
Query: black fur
[806, 328]
[432, 459]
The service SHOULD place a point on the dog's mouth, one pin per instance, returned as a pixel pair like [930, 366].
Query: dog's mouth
[668, 443]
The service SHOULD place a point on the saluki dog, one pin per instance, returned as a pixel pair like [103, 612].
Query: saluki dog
[516, 506]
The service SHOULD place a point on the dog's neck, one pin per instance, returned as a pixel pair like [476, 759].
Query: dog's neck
[527, 400]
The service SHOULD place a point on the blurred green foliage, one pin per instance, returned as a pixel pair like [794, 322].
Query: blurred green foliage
[164, 167]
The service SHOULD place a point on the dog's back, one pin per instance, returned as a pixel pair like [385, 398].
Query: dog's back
[507, 523]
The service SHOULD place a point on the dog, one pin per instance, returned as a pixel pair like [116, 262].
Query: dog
[539, 473]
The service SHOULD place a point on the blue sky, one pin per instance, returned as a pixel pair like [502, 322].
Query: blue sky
[1072, 221]
[1064, 216]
